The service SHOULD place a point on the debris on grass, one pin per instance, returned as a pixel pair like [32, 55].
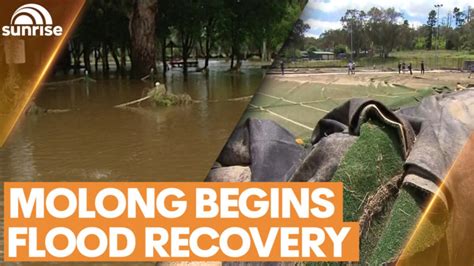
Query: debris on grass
[159, 96]
[376, 203]
[305, 142]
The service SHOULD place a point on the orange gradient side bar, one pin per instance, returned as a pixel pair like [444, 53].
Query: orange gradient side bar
[445, 236]
[23, 80]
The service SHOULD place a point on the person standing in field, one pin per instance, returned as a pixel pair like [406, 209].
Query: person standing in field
[422, 67]
[349, 68]
[404, 67]
[282, 67]
[399, 68]
[410, 68]
[472, 71]
[353, 68]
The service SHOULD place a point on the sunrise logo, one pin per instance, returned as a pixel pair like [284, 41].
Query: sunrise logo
[31, 20]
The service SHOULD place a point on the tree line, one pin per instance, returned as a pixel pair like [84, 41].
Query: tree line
[380, 31]
[141, 32]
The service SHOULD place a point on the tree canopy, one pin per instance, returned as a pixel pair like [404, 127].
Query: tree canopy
[381, 31]
[141, 32]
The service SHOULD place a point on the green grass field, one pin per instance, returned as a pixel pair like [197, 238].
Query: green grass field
[299, 106]
[442, 59]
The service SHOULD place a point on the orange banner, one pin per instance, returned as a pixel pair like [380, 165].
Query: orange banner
[177, 222]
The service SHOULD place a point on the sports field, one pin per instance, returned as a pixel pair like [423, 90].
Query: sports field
[299, 101]
[441, 59]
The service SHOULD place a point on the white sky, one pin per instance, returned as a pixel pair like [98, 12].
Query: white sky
[324, 15]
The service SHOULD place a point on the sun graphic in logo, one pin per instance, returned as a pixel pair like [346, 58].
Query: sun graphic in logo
[31, 20]
[31, 14]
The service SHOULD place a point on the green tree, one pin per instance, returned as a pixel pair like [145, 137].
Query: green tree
[186, 20]
[431, 23]
[210, 17]
[408, 37]
[331, 39]
[467, 37]
[354, 24]
[383, 29]
[279, 31]
[270, 23]
[459, 17]
[295, 40]
[163, 32]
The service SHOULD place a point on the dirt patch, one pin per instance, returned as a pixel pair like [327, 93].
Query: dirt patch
[416, 81]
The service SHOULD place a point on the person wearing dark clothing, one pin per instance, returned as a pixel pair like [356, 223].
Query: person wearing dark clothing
[422, 67]
[410, 68]
[282, 67]
[404, 67]
[399, 68]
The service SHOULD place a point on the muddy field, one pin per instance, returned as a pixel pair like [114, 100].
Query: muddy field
[377, 79]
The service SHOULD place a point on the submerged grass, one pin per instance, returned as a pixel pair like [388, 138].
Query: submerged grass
[161, 97]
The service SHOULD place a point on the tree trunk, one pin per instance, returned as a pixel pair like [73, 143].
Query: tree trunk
[187, 43]
[209, 41]
[142, 36]
[163, 56]
[86, 55]
[96, 58]
[238, 64]
[123, 58]
[208, 54]
[208, 51]
[116, 60]
[76, 55]
[105, 58]
[185, 58]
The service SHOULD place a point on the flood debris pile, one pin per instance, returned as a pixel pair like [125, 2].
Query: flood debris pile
[159, 96]
[390, 162]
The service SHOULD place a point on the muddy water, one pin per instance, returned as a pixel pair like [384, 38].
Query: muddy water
[96, 142]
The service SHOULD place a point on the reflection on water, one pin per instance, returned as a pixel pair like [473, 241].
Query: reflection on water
[96, 142]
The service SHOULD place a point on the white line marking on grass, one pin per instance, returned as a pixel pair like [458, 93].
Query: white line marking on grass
[282, 117]
[292, 102]
[385, 95]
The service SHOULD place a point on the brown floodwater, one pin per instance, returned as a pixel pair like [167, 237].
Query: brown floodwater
[96, 142]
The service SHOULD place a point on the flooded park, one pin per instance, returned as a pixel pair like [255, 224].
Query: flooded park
[93, 141]
[74, 132]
